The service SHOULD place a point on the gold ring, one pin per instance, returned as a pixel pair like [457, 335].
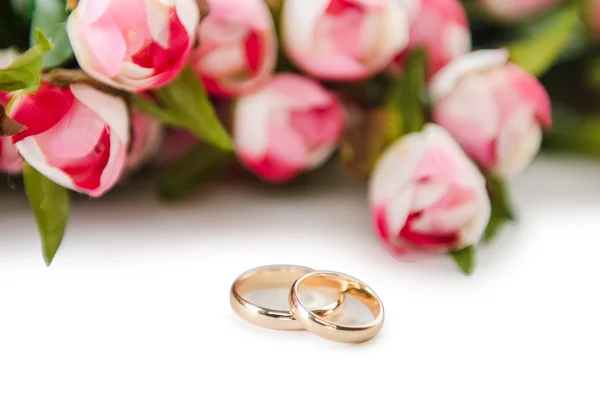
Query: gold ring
[270, 277]
[317, 324]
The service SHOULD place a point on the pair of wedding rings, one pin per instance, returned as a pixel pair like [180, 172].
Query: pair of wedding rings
[320, 321]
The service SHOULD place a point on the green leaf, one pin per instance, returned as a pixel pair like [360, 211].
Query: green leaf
[414, 88]
[25, 72]
[367, 139]
[50, 16]
[502, 211]
[574, 133]
[184, 103]
[406, 94]
[23, 8]
[50, 204]
[465, 259]
[201, 164]
[540, 50]
[155, 111]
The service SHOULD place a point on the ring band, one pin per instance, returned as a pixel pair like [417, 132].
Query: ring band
[270, 277]
[317, 324]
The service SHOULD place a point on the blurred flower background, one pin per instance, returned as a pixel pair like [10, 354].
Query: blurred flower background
[435, 104]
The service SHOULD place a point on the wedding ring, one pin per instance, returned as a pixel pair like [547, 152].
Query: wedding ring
[271, 277]
[319, 325]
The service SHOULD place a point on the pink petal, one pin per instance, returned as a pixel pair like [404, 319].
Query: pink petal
[87, 171]
[334, 67]
[532, 90]
[89, 11]
[166, 63]
[73, 137]
[300, 92]
[114, 168]
[106, 43]
[286, 147]
[319, 126]
[428, 241]
[42, 110]
[254, 51]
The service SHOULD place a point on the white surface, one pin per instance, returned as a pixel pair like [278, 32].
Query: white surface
[136, 303]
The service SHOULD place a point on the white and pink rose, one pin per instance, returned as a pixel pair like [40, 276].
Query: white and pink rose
[76, 136]
[238, 47]
[493, 108]
[427, 196]
[344, 40]
[290, 126]
[441, 28]
[134, 45]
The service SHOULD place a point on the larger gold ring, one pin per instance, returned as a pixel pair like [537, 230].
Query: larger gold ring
[317, 324]
[270, 277]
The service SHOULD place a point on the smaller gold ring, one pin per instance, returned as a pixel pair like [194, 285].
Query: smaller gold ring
[317, 324]
[270, 277]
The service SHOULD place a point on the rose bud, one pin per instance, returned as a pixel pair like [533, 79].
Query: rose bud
[10, 161]
[344, 39]
[439, 27]
[134, 45]
[238, 47]
[76, 136]
[493, 108]
[146, 139]
[290, 126]
[515, 10]
[426, 195]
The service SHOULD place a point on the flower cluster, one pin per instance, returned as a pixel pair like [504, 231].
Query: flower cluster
[436, 126]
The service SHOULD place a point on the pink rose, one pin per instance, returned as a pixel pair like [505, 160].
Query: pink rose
[238, 47]
[146, 139]
[344, 39]
[76, 136]
[134, 45]
[10, 161]
[493, 108]
[290, 126]
[426, 195]
[440, 27]
[516, 9]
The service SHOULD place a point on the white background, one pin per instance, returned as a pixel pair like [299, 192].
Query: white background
[136, 303]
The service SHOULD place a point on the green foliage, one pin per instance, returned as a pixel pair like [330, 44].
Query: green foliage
[50, 16]
[403, 111]
[465, 259]
[185, 104]
[407, 93]
[25, 72]
[574, 133]
[50, 205]
[542, 47]
[502, 211]
[23, 8]
[201, 164]
[365, 141]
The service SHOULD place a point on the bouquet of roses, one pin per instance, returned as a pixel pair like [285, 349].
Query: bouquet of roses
[436, 102]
